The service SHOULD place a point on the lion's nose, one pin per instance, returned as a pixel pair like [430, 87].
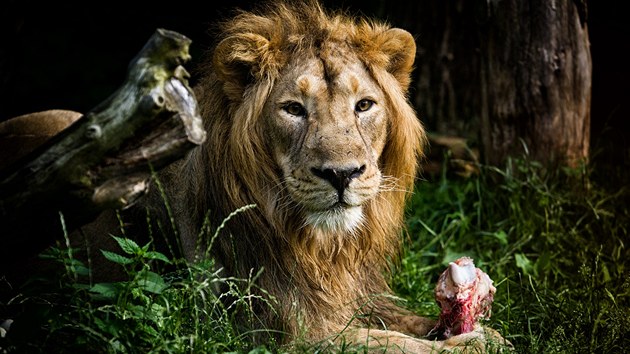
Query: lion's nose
[339, 178]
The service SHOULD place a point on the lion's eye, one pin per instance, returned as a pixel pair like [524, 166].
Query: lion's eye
[363, 105]
[295, 109]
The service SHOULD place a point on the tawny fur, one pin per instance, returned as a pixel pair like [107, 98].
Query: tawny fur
[326, 279]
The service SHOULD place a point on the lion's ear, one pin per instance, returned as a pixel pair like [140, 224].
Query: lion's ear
[395, 49]
[242, 59]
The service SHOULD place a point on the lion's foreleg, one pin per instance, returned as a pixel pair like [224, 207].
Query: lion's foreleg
[378, 341]
[412, 324]
[388, 315]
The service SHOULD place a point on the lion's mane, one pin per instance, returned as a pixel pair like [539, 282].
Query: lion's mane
[320, 280]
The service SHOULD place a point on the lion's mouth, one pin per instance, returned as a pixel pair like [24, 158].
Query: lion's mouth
[341, 205]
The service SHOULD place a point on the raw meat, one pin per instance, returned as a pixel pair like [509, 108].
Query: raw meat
[465, 295]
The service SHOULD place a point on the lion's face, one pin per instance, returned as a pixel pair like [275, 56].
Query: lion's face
[321, 130]
[327, 121]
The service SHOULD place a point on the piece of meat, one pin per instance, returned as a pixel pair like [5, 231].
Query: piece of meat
[465, 295]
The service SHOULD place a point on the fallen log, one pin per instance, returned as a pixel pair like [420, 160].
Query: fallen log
[105, 159]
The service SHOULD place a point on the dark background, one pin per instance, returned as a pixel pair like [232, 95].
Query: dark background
[72, 55]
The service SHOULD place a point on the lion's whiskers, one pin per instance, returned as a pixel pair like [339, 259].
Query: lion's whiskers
[281, 202]
[391, 184]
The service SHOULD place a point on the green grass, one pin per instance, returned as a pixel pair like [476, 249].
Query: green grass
[554, 247]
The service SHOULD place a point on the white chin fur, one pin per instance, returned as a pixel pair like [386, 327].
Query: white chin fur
[336, 220]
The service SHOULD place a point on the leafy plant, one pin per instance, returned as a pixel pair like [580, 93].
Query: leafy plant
[178, 311]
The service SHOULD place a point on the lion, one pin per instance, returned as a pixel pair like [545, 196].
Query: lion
[308, 118]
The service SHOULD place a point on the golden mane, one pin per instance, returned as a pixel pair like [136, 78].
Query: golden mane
[235, 167]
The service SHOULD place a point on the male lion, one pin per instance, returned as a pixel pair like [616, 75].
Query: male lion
[307, 118]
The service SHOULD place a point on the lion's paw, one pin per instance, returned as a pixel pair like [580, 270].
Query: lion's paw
[480, 340]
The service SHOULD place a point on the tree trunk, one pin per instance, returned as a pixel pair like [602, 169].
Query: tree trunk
[512, 77]
[535, 82]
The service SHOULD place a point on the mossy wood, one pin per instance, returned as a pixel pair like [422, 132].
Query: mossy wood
[104, 160]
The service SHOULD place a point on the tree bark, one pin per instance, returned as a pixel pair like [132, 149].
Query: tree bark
[105, 159]
[512, 77]
[536, 82]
